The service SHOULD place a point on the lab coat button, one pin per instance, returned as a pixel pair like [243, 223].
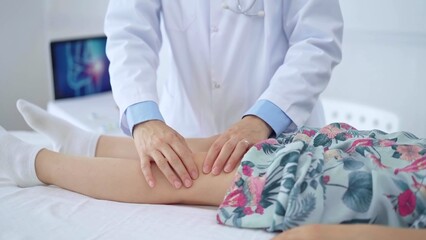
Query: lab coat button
[214, 29]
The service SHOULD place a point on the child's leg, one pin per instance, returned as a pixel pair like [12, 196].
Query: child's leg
[104, 178]
[124, 147]
[116, 147]
[121, 180]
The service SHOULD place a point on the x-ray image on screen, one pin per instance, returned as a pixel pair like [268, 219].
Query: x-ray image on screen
[80, 67]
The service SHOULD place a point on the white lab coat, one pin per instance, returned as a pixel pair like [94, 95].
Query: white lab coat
[224, 62]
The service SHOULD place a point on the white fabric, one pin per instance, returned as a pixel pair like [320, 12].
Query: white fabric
[17, 160]
[222, 61]
[66, 137]
[48, 212]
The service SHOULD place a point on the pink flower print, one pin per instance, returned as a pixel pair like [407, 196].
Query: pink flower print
[330, 130]
[248, 211]
[348, 135]
[259, 210]
[419, 186]
[406, 203]
[218, 219]
[377, 161]
[256, 185]
[309, 133]
[409, 152]
[415, 183]
[386, 143]
[346, 126]
[235, 198]
[358, 143]
[271, 141]
[247, 170]
[326, 179]
[241, 200]
[415, 166]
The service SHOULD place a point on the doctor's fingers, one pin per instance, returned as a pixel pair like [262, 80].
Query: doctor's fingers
[225, 153]
[237, 155]
[146, 171]
[213, 153]
[165, 168]
[177, 165]
[181, 149]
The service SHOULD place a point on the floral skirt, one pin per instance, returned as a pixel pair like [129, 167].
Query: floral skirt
[332, 175]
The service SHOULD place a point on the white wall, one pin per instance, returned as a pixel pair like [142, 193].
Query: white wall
[74, 18]
[384, 59]
[26, 28]
[23, 63]
[384, 53]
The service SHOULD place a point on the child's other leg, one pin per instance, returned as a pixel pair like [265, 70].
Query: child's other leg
[17, 160]
[66, 137]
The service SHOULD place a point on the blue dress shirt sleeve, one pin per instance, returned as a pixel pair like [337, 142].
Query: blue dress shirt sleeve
[142, 112]
[271, 114]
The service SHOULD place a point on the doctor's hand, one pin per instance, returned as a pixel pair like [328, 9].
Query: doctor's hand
[228, 149]
[157, 142]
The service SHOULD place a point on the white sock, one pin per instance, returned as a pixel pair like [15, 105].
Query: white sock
[67, 138]
[17, 160]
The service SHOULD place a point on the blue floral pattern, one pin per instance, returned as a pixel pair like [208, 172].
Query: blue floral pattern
[333, 175]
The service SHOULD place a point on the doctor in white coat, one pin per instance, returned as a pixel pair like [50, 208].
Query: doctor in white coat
[243, 69]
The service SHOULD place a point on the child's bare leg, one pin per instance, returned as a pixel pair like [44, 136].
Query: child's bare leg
[124, 147]
[116, 147]
[121, 180]
[105, 178]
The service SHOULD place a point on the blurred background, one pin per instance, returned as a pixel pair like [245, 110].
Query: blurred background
[384, 54]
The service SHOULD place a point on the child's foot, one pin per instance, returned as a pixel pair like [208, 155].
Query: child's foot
[66, 137]
[17, 160]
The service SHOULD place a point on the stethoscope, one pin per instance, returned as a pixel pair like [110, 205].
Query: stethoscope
[244, 11]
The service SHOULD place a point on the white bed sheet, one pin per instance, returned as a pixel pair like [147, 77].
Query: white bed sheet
[48, 212]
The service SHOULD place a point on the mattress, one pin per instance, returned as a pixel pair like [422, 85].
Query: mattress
[48, 212]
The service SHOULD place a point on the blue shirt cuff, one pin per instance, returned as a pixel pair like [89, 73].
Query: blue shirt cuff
[142, 112]
[272, 115]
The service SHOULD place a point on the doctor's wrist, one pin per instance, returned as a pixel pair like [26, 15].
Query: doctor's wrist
[260, 125]
[147, 124]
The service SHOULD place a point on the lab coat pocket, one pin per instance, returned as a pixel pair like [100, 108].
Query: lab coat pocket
[179, 14]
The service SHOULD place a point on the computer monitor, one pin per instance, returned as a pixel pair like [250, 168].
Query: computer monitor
[80, 67]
